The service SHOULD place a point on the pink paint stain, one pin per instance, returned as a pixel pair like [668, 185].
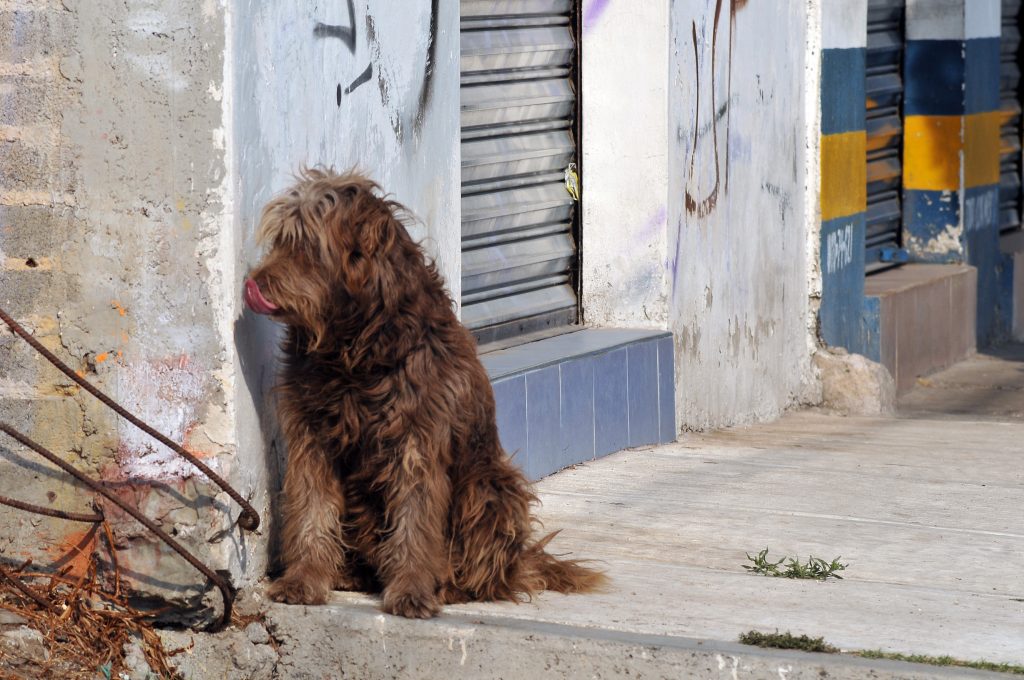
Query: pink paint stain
[592, 12]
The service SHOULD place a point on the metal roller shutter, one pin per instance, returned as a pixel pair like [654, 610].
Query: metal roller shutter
[1010, 149]
[519, 259]
[886, 21]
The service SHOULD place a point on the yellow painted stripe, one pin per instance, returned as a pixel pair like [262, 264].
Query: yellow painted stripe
[981, 149]
[931, 152]
[843, 174]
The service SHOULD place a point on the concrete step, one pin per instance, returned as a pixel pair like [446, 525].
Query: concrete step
[920, 318]
[925, 512]
[352, 639]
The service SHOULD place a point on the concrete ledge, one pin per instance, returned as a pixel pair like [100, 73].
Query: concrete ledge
[924, 318]
[582, 395]
[353, 639]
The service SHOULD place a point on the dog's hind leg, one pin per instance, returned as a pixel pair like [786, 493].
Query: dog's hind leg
[411, 560]
[313, 506]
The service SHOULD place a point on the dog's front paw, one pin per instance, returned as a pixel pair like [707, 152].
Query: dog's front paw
[411, 606]
[293, 590]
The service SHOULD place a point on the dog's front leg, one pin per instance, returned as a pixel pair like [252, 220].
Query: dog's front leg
[412, 557]
[313, 505]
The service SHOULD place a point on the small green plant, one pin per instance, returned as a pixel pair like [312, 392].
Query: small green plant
[805, 643]
[1012, 669]
[791, 567]
[787, 640]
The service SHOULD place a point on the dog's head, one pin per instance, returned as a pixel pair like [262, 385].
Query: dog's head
[333, 246]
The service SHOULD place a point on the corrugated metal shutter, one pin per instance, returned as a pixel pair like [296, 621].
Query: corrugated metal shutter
[519, 259]
[886, 22]
[1010, 89]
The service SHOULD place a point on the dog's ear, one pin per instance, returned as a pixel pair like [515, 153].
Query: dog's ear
[379, 229]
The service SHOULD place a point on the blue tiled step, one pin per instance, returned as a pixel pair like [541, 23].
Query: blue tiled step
[583, 395]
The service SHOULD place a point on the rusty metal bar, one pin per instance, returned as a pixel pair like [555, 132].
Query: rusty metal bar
[248, 520]
[49, 512]
[226, 592]
[24, 589]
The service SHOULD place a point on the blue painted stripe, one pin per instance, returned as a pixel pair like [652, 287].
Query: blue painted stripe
[982, 75]
[981, 249]
[934, 77]
[927, 215]
[871, 329]
[842, 268]
[842, 90]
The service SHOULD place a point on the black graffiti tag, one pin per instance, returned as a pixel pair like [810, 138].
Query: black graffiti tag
[347, 35]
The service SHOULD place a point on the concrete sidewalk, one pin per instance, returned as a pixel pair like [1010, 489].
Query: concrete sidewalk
[926, 509]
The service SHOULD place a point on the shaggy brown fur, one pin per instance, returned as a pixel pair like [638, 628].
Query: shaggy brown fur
[396, 480]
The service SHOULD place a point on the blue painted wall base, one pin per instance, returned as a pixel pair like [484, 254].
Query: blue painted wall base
[579, 396]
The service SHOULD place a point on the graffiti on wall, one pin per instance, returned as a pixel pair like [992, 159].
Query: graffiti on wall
[347, 35]
[705, 203]
[350, 38]
[839, 249]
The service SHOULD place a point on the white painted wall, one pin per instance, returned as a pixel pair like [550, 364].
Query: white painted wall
[738, 212]
[396, 127]
[821, 33]
[626, 150]
[700, 193]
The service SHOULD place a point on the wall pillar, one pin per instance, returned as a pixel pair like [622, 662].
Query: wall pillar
[843, 171]
[951, 141]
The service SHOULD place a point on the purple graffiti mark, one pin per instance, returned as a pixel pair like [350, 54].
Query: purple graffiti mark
[592, 13]
[659, 218]
[347, 35]
[672, 264]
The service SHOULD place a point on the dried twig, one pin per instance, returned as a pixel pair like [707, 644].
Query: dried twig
[85, 628]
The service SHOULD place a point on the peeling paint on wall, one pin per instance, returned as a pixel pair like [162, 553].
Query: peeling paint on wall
[738, 219]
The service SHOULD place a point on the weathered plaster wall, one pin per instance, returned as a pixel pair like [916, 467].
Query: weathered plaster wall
[373, 88]
[738, 213]
[112, 228]
[701, 193]
[625, 163]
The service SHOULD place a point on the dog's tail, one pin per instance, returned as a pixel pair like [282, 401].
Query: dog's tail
[539, 570]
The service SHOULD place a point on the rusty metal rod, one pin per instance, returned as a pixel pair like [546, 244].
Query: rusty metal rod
[25, 590]
[248, 520]
[50, 512]
[225, 589]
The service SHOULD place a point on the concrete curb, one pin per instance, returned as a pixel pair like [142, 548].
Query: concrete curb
[358, 641]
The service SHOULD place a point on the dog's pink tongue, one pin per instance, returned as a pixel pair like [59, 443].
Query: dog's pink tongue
[255, 300]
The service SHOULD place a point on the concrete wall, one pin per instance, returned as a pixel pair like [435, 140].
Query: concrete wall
[737, 213]
[114, 188]
[696, 157]
[626, 131]
[385, 100]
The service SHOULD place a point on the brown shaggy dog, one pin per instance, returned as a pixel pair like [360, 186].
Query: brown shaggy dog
[396, 480]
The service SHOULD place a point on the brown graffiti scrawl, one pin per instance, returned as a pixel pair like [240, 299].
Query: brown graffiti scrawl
[706, 206]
